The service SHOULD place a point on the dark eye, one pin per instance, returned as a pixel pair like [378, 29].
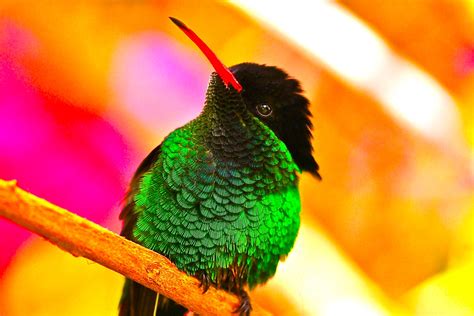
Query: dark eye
[264, 110]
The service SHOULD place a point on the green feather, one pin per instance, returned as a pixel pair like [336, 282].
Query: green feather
[222, 192]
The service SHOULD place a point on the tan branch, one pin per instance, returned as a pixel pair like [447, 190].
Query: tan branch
[83, 238]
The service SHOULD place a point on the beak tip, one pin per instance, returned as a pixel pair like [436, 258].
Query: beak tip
[178, 23]
[224, 72]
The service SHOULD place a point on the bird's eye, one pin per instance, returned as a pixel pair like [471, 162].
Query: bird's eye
[264, 110]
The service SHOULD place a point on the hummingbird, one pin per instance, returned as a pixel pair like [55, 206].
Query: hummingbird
[219, 196]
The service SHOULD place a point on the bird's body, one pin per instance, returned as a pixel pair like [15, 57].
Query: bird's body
[219, 197]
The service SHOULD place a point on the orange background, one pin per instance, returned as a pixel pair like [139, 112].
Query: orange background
[88, 88]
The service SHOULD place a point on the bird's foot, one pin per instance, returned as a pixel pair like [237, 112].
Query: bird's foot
[245, 306]
[205, 281]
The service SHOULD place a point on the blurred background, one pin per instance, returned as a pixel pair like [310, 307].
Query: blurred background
[88, 88]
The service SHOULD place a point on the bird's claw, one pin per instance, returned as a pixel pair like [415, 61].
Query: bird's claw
[205, 281]
[245, 306]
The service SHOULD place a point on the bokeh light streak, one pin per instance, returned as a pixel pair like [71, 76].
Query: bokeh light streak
[356, 53]
[335, 287]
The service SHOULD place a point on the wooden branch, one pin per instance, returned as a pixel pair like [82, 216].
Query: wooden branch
[83, 238]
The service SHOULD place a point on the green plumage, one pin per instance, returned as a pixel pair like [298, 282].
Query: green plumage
[222, 195]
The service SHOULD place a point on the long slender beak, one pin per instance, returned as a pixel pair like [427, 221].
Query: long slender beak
[223, 72]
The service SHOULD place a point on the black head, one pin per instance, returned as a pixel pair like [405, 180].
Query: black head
[272, 96]
[275, 98]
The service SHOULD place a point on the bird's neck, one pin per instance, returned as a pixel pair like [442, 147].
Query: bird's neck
[225, 119]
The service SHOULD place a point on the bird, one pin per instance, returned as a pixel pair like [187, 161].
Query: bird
[219, 196]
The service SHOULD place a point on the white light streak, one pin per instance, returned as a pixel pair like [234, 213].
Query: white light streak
[356, 53]
[321, 281]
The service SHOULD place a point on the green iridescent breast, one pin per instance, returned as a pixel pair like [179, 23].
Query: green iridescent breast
[209, 205]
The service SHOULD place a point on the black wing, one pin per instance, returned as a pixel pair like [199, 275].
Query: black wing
[138, 300]
[128, 214]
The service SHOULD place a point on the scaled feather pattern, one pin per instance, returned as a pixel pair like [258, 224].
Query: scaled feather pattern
[222, 196]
